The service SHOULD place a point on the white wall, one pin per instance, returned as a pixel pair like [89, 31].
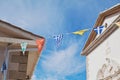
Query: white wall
[110, 48]
[109, 20]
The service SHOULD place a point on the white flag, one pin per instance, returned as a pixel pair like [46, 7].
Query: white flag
[23, 47]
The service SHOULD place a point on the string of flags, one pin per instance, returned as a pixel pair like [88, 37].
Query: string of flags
[39, 42]
[98, 31]
[59, 38]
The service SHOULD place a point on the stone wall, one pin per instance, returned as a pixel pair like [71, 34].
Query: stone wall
[17, 66]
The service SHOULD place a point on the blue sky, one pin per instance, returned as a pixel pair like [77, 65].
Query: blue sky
[53, 17]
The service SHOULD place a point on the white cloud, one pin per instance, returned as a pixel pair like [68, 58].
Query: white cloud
[44, 17]
[63, 62]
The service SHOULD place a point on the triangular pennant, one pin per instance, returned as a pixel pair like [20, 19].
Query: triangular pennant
[40, 43]
[3, 68]
[58, 39]
[81, 32]
[23, 47]
[118, 24]
[99, 29]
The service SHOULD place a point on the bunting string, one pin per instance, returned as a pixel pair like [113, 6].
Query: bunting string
[98, 30]
[58, 38]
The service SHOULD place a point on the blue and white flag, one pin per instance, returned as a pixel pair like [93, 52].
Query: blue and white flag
[98, 30]
[3, 68]
[23, 47]
[58, 39]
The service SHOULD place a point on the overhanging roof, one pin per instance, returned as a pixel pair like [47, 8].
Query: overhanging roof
[13, 36]
[16, 32]
[99, 22]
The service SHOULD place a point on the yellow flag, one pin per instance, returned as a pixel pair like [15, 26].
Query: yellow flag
[118, 24]
[80, 32]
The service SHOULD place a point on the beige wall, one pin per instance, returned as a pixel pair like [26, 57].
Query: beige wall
[2, 53]
[32, 61]
[17, 67]
[109, 20]
[109, 49]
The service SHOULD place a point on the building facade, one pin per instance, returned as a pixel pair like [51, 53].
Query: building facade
[17, 66]
[103, 51]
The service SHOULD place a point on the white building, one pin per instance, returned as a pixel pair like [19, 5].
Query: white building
[103, 51]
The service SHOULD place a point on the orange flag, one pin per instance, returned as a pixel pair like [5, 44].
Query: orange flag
[40, 43]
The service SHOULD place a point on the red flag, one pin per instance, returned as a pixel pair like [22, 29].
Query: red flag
[40, 43]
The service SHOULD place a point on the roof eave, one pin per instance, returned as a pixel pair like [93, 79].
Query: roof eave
[22, 30]
[99, 21]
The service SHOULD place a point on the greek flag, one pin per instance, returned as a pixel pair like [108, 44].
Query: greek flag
[98, 30]
[58, 39]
